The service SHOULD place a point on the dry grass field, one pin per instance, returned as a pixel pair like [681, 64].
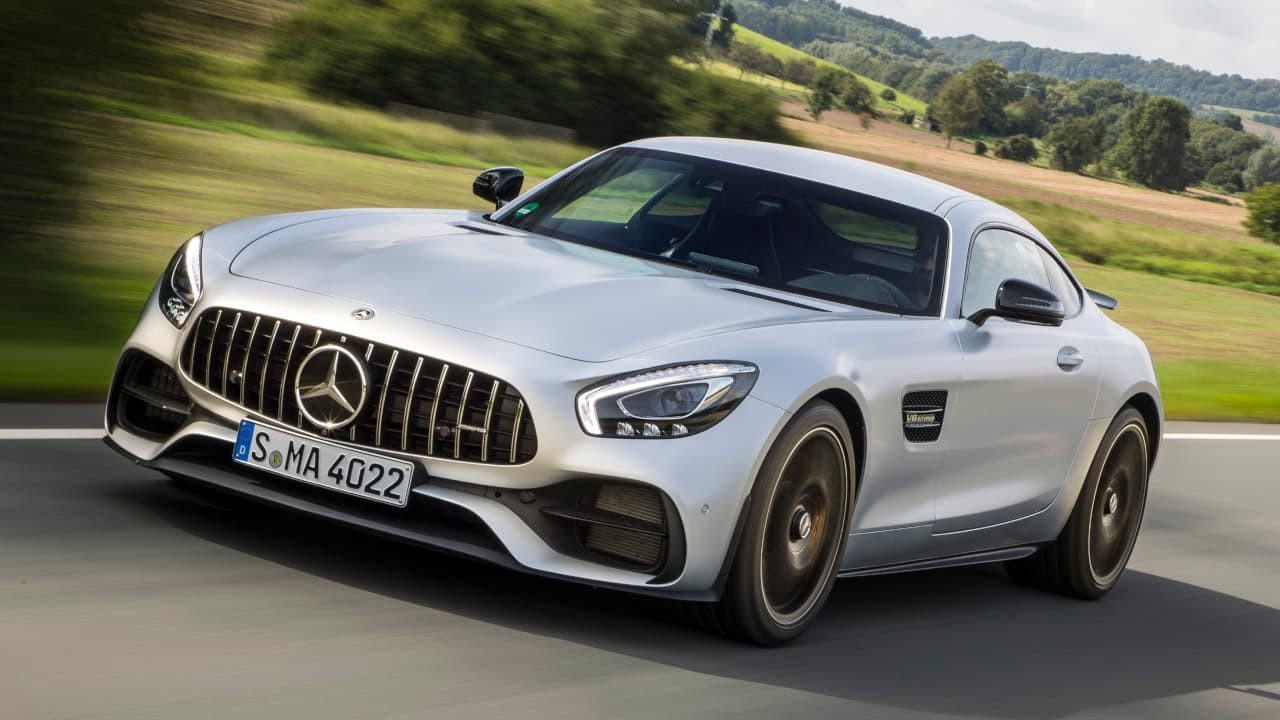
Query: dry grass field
[926, 153]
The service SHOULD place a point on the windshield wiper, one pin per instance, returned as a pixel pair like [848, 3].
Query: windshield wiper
[718, 264]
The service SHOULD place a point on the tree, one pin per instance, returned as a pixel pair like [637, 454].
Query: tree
[1213, 144]
[1018, 147]
[1153, 149]
[800, 71]
[827, 85]
[888, 94]
[722, 37]
[991, 83]
[1225, 176]
[1025, 116]
[956, 107]
[1263, 167]
[857, 96]
[1075, 143]
[1264, 213]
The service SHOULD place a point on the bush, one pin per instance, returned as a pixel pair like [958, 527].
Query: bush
[908, 118]
[1018, 147]
[888, 94]
[1264, 213]
[856, 96]
[980, 148]
[1225, 176]
[601, 68]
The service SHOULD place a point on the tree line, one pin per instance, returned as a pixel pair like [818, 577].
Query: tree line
[1159, 77]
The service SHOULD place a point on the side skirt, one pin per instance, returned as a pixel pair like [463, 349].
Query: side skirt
[978, 558]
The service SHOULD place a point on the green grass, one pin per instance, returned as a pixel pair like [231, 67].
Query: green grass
[1242, 264]
[785, 52]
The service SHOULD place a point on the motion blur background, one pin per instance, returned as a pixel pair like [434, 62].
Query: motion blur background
[128, 125]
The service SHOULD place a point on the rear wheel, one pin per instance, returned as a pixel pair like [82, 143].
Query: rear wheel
[787, 558]
[1091, 552]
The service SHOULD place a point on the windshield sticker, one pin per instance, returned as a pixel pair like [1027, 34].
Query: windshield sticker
[528, 208]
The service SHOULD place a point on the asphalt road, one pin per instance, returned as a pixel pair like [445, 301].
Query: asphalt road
[124, 595]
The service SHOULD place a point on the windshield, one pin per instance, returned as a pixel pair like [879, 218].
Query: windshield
[759, 227]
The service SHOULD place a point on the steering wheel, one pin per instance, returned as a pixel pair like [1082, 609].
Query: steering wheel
[897, 297]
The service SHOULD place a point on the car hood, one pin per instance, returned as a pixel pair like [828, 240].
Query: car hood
[555, 296]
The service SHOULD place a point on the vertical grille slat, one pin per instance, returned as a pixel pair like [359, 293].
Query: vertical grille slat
[488, 420]
[515, 431]
[225, 348]
[408, 405]
[266, 368]
[382, 399]
[458, 419]
[248, 351]
[208, 359]
[435, 410]
[284, 372]
[226, 357]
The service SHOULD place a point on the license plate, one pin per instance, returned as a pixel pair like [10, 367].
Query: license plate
[372, 477]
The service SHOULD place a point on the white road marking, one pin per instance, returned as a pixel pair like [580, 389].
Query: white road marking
[52, 434]
[1215, 436]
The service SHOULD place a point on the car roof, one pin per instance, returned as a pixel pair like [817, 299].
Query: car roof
[828, 168]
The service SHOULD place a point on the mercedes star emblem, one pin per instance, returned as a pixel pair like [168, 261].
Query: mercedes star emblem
[331, 387]
[363, 313]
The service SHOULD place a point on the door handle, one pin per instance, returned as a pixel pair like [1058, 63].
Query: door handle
[1069, 359]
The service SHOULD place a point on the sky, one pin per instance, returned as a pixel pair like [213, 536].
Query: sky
[1226, 36]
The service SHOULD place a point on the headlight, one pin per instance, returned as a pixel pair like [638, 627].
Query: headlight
[183, 282]
[666, 402]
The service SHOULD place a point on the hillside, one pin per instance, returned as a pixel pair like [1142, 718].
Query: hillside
[804, 21]
[785, 52]
[1158, 77]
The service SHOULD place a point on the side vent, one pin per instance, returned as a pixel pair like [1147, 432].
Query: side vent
[922, 414]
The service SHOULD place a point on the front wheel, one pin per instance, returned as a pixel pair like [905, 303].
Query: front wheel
[787, 559]
[1087, 558]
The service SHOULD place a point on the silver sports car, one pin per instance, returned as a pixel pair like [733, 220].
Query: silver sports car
[718, 371]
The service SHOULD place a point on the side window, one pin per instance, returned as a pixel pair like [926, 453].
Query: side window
[1061, 285]
[1000, 255]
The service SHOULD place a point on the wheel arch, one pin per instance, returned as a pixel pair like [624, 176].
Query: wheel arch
[848, 407]
[1145, 404]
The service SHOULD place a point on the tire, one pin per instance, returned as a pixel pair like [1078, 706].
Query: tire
[1090, 554]
[788, 556]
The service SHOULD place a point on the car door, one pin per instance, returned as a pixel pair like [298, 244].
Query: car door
[1025, 396]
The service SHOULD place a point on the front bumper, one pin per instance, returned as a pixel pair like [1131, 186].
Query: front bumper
[472, 508]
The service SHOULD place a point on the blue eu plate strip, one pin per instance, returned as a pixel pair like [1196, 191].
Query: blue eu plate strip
[244, 440]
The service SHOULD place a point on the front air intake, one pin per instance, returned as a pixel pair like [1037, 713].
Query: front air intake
[149, 400]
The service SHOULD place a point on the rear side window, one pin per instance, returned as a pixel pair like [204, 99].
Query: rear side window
[1061, 285]
[1000, 255]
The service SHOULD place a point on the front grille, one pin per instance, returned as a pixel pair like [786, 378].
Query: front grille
[416, 404]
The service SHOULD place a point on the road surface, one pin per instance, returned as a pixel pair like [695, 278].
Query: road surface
[124, 595]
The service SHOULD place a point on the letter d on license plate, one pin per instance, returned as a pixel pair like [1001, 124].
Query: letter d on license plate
[318, 462]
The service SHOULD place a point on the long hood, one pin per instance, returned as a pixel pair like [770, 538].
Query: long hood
[558, 297]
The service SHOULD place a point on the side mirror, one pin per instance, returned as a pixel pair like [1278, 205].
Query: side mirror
[499, 185]
[1021, 301]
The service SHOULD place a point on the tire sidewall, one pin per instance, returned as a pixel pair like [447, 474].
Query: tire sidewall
[1078, 535]
[743, 588]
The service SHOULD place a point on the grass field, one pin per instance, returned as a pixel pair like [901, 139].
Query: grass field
[786, 52]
